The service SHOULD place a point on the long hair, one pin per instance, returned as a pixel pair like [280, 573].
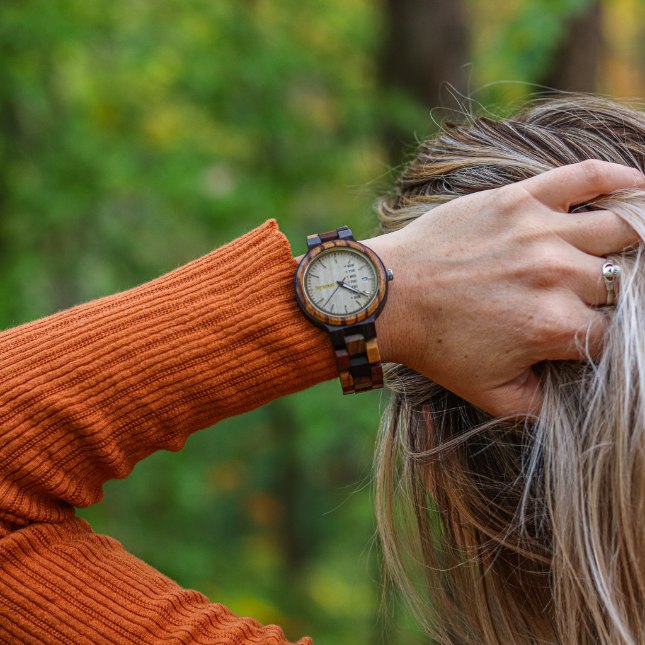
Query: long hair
[502, 532]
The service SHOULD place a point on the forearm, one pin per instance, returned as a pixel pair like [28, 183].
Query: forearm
[87, 393]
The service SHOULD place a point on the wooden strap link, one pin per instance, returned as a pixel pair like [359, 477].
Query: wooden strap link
[342, 233]
[357, 358]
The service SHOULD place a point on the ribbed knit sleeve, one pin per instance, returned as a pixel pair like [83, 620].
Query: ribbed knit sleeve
[86, 393]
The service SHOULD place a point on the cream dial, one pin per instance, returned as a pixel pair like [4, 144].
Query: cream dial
[340, 282]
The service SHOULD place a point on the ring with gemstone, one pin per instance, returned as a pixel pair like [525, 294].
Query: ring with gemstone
[610, 274]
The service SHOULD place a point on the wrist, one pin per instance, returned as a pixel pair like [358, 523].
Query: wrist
[389, 323]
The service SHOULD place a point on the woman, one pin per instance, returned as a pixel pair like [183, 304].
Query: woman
[476, 303]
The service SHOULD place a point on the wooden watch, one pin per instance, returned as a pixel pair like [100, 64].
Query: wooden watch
[341, 286]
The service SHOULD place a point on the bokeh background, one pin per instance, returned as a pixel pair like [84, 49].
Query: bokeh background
[136, 135]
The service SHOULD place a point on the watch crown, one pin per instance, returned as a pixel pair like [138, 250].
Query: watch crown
[389, 274]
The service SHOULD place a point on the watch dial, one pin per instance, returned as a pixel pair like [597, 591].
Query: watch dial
[340, 282]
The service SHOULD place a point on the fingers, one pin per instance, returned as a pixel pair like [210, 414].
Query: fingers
[578, 183]
[575, 332]
[578, 334]
[597, 233]
[582, 274]
[589, 340]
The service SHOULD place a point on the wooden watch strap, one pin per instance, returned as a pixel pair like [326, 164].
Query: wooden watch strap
[357, 357]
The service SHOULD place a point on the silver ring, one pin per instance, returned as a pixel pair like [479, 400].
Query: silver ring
[610, 274]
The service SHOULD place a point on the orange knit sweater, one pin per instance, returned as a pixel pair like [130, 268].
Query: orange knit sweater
[86, 393]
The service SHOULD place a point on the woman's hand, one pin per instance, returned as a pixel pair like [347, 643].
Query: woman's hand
[490, 284]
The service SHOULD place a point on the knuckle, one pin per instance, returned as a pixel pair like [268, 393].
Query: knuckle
[503, 201]
[563, 329]
[547, 331]
[552, 271]
[513, 200]
[560, 324]
[593, 170]
[536, 234]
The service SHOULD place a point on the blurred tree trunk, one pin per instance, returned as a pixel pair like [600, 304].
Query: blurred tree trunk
[11, 136]
[287, 486]
[425, 49]
[577, 60]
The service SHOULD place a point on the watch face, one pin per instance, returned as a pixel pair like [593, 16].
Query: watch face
[341, 282]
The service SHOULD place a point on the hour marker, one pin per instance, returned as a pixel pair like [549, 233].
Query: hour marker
[333, 304]
[313, 275]
[346, 309]
[324, 266]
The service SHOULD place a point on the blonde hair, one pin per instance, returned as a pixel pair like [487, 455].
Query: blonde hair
[524, 532]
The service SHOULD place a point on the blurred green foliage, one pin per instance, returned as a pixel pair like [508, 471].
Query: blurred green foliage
[137, 135]
[526, 41]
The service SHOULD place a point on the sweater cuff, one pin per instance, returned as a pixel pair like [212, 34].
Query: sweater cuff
[287, 353]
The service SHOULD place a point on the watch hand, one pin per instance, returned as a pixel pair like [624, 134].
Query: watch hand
[331, 295]
[342, 283]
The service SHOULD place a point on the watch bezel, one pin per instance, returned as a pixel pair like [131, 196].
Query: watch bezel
[328, 320]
